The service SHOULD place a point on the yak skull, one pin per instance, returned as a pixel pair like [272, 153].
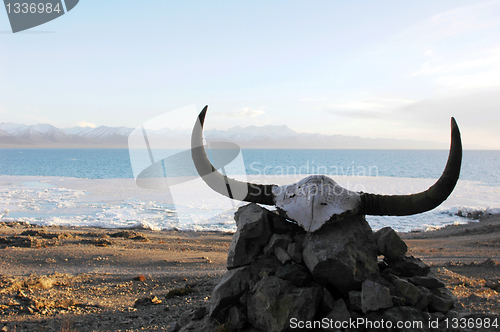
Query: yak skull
[317, 199]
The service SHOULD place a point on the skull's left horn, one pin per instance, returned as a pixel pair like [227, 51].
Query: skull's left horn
[403, 205]
[244, 191]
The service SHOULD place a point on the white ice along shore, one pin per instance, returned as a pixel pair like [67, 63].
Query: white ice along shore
[117, 203]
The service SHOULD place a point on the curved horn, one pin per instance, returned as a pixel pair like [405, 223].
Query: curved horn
[403, 205]
[244, 191]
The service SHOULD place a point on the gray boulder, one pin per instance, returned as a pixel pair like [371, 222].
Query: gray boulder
[410, 292]
[339, 313]
[443, 300]
[294, 250]
[281, 225]
[237, 317]
[234, 283]
[389, 243]
[265, 265]
[295, 273]
[282, 255]
[427, 282]
[206, 325]
[425, 299]
[342, 254]
[355, 300]
[277, 240]
[374, 296]
[409, 266]
[273, 302]
[252, 234]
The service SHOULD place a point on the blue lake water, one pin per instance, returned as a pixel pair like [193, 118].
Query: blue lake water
[95, 187]
[483, 166]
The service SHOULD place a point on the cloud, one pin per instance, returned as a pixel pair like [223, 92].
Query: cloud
[246, 112]
[480, 69]
[462, 20]
[86, 124]
[373, 108]
[357, 114]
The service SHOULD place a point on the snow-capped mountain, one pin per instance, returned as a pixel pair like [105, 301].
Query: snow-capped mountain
[45, 135]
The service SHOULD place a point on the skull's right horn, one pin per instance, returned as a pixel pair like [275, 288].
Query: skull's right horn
[402, 205]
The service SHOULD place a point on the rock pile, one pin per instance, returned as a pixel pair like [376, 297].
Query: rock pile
[342, 277]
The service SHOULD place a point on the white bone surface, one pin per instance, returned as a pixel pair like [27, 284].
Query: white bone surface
[315, 200]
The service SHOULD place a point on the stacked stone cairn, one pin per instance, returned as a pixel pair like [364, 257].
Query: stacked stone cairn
[281, 278]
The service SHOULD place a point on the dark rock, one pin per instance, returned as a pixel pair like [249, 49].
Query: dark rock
[442, 300]
[342, 254]
[174, 327]
[409, 291]
[237, 317]
[398, 301]
[243, 299]
[179, 292]
[382, 266]
[249, 328]
[150, 300]
[389, 243]
[295, 273]
[281, 225]
[441, 304]
[374, 296]
[427, 282]
[299, 238]
[425, 299]
[185, 318]
[409, 266]
[388, 276]
[234, 283]
[339, 313]
[263, 266]
[355, 300]
[252, 234]
[282, 256]
[294, 250]
[327, 302]
[206, 325]
[273, 302]
[277, 240]
[198, 313]
[388, 271]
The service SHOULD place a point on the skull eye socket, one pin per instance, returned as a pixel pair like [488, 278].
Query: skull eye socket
[290, 192]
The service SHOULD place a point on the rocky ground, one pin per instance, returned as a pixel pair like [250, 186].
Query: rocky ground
[87, 279]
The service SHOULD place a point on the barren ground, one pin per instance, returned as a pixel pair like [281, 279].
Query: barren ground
[91, 279]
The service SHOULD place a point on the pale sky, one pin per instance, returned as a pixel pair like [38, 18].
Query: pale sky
[378, 69]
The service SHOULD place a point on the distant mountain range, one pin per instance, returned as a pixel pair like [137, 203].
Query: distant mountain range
[45, 135]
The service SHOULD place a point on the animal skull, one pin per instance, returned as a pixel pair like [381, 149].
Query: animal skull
[317, 199]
